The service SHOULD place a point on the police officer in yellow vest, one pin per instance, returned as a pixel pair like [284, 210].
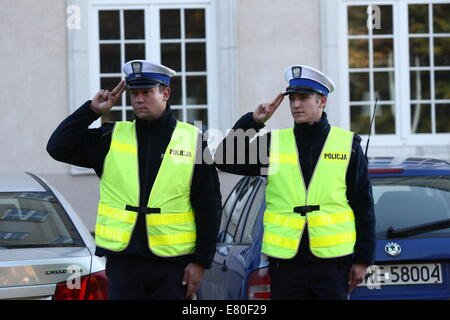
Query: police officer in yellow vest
[159, 207]
[319, 224]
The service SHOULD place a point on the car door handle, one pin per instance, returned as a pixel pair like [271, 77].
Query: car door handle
[224, 267]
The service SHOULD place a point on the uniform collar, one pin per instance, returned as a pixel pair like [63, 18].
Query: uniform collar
[156, 123]
[318, 128]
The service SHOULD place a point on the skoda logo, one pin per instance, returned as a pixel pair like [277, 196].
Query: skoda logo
[393, 249]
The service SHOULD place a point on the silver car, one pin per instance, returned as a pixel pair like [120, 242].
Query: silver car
[45, 250]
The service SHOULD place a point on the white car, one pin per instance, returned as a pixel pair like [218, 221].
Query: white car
[45, 250]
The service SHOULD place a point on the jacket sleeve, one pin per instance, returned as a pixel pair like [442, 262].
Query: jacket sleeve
[74, 143]
[240, 153]
[206, 201]
[359, 195]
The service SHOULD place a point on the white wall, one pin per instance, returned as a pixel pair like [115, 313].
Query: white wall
[273, 35]
[33, 85]
[34, 97]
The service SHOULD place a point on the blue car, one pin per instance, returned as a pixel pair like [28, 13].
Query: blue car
[412, 207]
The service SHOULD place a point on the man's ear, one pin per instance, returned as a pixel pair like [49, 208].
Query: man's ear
[323, 102]
[166, 93]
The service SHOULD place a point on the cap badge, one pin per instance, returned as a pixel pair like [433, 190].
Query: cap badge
[296, 72]
[137, 68]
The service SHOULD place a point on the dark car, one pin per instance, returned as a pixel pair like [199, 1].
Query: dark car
[412, 207]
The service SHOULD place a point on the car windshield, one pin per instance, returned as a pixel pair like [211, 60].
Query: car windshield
[35, 219]
[411, 201]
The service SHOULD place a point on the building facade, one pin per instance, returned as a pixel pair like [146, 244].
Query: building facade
[230, 56]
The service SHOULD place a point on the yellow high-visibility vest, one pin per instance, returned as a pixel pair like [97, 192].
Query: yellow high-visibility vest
[323, 208]
[169, 214]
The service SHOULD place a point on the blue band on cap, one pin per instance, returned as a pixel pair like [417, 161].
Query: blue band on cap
[149, 76]
[308, 83]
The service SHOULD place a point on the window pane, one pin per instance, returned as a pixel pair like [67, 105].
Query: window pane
[112, 116]
[175, 91]
[383, 53]
[357, 20]
[130, 115]
[384, 85]
[127, 97]
[196, 90]
[442, 118]
[400, 202]
[442, 51]
[170, 24]
[196, 56]
[194, 23]
[360, 119]
[359, 86]
[198, 115]
[109, 25]
[110, 58]
[240, 210]
[442, 84]
[178, 114]
[386, 21]
[109, 83]
[418, 18]
[171, 55]
[385, 120]
[420, 85]
[249, 233]
[358, 53]
[420, 118]
[441, 21]
[134, 51]
[134, 24]
[34, 219]
[419, 52]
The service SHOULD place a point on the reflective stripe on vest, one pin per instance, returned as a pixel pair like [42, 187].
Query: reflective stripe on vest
[171, 232]
[332, 227]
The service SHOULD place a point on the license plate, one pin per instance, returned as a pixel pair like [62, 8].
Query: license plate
[402, 274]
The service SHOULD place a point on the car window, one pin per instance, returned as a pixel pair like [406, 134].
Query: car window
[248, 234]
[240, 208]
[404, 202]
[35, 219]
[228, 207]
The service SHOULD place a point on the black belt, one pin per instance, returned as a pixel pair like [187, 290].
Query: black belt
[143, 210]
[305, 209]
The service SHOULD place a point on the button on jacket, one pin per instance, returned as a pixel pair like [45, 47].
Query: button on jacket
[73, 143]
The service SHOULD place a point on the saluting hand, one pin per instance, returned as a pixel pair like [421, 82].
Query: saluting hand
[265, 110]
[104, 100]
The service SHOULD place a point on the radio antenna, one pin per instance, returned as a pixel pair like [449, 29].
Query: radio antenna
[370, 129]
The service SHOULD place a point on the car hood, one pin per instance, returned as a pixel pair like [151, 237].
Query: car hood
[414, 249]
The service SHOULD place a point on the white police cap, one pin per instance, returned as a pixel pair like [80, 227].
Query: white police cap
[146, 74]
[305, 79]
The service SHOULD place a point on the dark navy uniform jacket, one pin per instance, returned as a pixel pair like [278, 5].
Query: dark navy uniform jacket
[73, 143]
[310, 140]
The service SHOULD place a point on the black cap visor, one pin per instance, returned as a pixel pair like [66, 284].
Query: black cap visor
[306, 90]
[141, 83]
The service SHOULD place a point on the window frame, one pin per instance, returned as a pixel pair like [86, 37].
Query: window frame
[153, 44]
[337, 50]
[84, 58]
